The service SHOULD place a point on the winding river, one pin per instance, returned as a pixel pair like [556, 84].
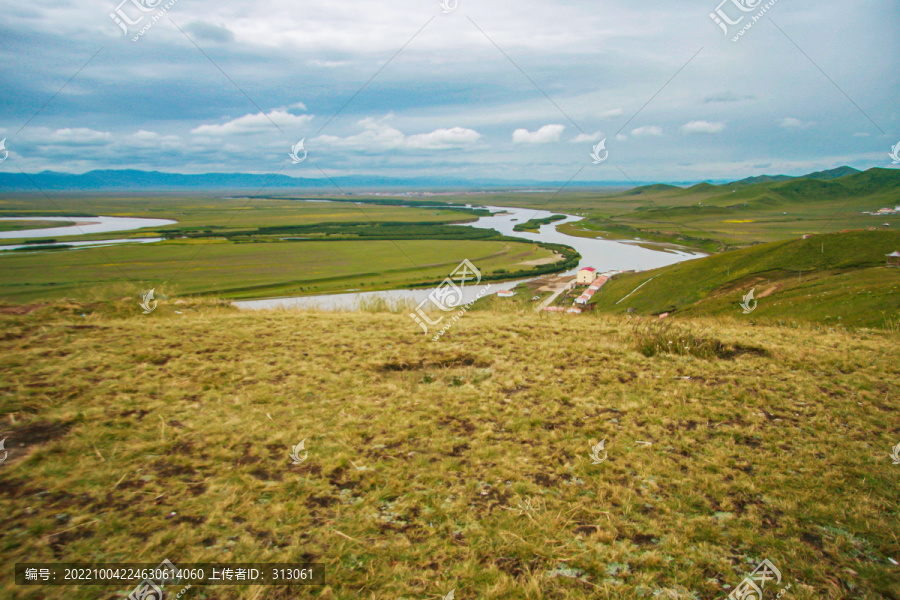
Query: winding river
[82, 226]
[603, 255]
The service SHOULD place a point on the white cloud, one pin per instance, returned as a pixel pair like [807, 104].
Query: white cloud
[647, 130]
[151, 139]
[547, 133]
[702, 127]
[81, 135]
[378, 135]
[145, 135]
[210, 32]
[588, 137]
[443, 138]
[355, 24]
[327, 64]
[792, 123]
[254, 123]
[77, 136]
[620, 137]
[606, 114]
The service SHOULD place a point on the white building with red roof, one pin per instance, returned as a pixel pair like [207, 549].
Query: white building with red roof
[586, 276]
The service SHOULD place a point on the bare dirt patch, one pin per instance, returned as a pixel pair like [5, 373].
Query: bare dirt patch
[448, 361]
[769, 291]
[21, 309]
[543, 261]
[20, 439]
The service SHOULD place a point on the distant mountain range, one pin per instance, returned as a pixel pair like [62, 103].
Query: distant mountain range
[130, 179]
[135, 180]
[835, 183]
[823, 175]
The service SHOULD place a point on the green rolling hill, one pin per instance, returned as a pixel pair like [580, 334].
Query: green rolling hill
[743, 213]
[836, 278]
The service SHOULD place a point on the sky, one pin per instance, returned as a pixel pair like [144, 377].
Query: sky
[513, 90]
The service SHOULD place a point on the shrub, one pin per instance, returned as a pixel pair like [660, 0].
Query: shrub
[654, 337]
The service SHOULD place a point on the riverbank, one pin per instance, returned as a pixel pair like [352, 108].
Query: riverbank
[602, 254]
[233, 252]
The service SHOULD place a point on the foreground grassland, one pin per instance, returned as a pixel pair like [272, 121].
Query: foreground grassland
[254, 270]
[457, 464]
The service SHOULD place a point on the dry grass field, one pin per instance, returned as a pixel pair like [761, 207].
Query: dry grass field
[459, 464]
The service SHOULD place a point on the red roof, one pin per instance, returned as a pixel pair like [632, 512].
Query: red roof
[588, 269]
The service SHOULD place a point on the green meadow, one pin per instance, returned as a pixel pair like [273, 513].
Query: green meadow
[215, 214]
[254, 270]
[20, 225]
[243, 248]
[535, 224]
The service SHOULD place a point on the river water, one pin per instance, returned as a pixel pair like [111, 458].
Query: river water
[84, 226]
[83, 245]
[603, 255]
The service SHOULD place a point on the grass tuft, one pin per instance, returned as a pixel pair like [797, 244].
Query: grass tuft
[653, 337]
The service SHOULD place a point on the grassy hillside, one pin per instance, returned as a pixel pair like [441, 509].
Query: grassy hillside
[827, 278]
[721, 217]
[833, 173]
[462, 464]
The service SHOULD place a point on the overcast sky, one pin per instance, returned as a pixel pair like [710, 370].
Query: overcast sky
[501, 89]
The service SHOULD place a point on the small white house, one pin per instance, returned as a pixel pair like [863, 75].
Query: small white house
[586, 276]
[505, 294]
